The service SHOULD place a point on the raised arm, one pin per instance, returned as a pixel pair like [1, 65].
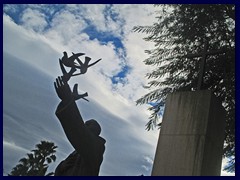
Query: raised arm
[71, 119]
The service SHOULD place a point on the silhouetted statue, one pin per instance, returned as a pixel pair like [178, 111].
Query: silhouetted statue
[84, 137]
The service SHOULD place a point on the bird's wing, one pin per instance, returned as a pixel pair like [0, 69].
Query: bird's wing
[94, 63]
[75, 91]
[74, 56]
[79, 61]
[62, 67]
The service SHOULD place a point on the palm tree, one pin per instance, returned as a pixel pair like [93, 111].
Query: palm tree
[37, 162]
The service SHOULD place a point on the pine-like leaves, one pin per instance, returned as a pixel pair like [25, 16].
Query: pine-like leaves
[179, 34]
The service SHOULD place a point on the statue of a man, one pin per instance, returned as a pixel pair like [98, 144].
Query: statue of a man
[84, 137]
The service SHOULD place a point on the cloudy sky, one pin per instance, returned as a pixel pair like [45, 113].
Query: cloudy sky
[34, 38]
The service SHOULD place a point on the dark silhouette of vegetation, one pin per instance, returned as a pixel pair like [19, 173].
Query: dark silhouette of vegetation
[179, 33]
[37, 162]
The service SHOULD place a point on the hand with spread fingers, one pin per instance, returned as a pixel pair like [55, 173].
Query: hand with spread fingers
[64, 92]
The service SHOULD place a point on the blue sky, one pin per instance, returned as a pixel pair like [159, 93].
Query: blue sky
[34, 37]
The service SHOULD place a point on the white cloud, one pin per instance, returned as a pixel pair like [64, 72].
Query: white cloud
[110, 63]
[99, 15]
[135, 46]
[148, 159]
[64, 27]
[145, 168]
[29, 46]
[135, 14]
[12, 145]
[33, 19]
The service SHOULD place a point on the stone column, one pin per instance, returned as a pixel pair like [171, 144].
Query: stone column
[191, 137]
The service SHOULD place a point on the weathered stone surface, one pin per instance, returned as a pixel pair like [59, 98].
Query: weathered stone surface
[192, 134]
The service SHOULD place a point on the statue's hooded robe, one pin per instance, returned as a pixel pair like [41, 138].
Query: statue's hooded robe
[89, 146]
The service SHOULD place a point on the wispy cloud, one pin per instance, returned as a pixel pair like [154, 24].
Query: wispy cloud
[34, 20]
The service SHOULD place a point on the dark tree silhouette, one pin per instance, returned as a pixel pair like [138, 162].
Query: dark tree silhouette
[179, 33]
[37, 162]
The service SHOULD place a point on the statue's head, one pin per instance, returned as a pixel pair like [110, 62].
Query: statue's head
[93, 126]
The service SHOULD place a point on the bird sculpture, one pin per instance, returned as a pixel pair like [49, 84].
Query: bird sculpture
[84, 66]
[66, 75]
[78, 96]
[69, 61]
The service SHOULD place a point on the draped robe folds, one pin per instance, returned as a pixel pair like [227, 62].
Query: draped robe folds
[89, 148]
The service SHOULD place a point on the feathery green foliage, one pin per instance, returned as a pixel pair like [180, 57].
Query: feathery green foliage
[180, 32]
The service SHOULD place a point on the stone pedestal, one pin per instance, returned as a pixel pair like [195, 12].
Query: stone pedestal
[192, 135]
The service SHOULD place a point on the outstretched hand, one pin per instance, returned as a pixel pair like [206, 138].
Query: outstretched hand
[63, 90]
